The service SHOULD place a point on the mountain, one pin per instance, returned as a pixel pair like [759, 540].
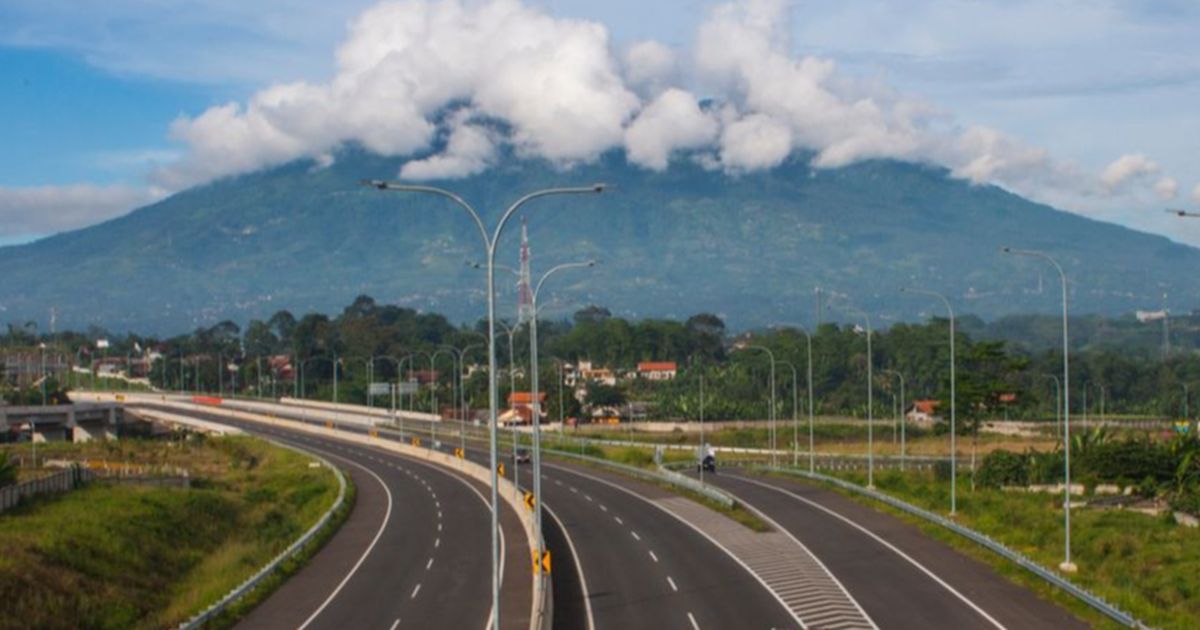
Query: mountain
[749, 247]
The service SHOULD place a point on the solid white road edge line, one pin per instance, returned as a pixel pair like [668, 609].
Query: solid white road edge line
[886, 544]
[694, 528]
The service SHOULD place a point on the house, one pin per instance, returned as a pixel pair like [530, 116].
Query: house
[520, 408]
[586, 372]
[423, 377]
[656, 370]
[923, 411]
[281, 366]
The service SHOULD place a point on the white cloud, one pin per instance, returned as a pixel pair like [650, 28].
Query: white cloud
[553, 80]
[561, 93]
[671, 122]
[1166, 188]
[1127, 168]
[1196, 194]
[755, 142]
[469, 150]
[649, 65]
[50, 209]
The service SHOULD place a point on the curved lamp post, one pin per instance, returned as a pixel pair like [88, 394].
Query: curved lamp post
[870, 395]
[812, 462]
[953, 400]
[489, 244]
[771, 416]
[1066, 565]
[535, 404]
[900, 376]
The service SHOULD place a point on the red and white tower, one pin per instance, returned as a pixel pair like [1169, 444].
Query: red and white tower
[524, 290]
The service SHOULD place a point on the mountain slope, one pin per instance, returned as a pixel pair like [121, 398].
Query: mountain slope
[750, 247]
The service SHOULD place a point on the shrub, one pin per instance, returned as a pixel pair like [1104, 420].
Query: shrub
[941, 470]
[1124, 461]
[1188, 502]
[8, 471]
[1004, 468]
[1045, 467]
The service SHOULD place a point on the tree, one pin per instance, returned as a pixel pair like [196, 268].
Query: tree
[282, 324]
[591, 315]
[599, 395]
[8, 471]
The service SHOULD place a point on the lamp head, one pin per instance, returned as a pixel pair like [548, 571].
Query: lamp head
[374, 183]
[599, 187]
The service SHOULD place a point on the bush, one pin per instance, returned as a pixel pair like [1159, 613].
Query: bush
[1124, 461]
[1004, 468]
[8, 471]
[1188, 502]
[941, 470]
[1045, 468]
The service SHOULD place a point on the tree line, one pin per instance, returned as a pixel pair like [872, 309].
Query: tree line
[995, 378]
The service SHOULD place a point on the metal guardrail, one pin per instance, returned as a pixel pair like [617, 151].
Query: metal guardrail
[660, 476]
[984, 540]
[245, 587]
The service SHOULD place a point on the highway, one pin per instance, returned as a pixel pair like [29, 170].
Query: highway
[902, 578]
[641, 567]
[413, 552]
[623, 560]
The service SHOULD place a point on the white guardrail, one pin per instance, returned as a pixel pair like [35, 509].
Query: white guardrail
[995, 546]
[542, 612]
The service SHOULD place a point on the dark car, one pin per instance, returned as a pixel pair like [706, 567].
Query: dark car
[523, 456]
[708, 464]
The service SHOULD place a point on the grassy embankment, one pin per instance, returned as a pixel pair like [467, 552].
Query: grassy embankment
[838, 439]
[137, 556]
[1145, 565]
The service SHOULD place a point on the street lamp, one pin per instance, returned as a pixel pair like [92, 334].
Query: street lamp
[870, 395]
[771, 417]
[795, 416]
[1057, 403]
[489, 244]
[1066, 565]
[900, 376]
[535, 404]
[953, 399]
[812, 466]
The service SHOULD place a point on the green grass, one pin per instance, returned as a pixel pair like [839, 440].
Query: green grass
[127, 556]
[1147, 566]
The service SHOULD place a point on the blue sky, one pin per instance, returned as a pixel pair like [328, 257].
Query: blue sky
[1090, 106]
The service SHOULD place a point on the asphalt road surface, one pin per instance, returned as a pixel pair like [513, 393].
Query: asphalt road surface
[901, 577]
[413, 553]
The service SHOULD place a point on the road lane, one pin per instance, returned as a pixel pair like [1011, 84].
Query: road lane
[428, 567]
[901, 577]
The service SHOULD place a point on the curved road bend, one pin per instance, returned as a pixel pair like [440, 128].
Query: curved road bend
[934, 587]
[642, 567]
[423, 564]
